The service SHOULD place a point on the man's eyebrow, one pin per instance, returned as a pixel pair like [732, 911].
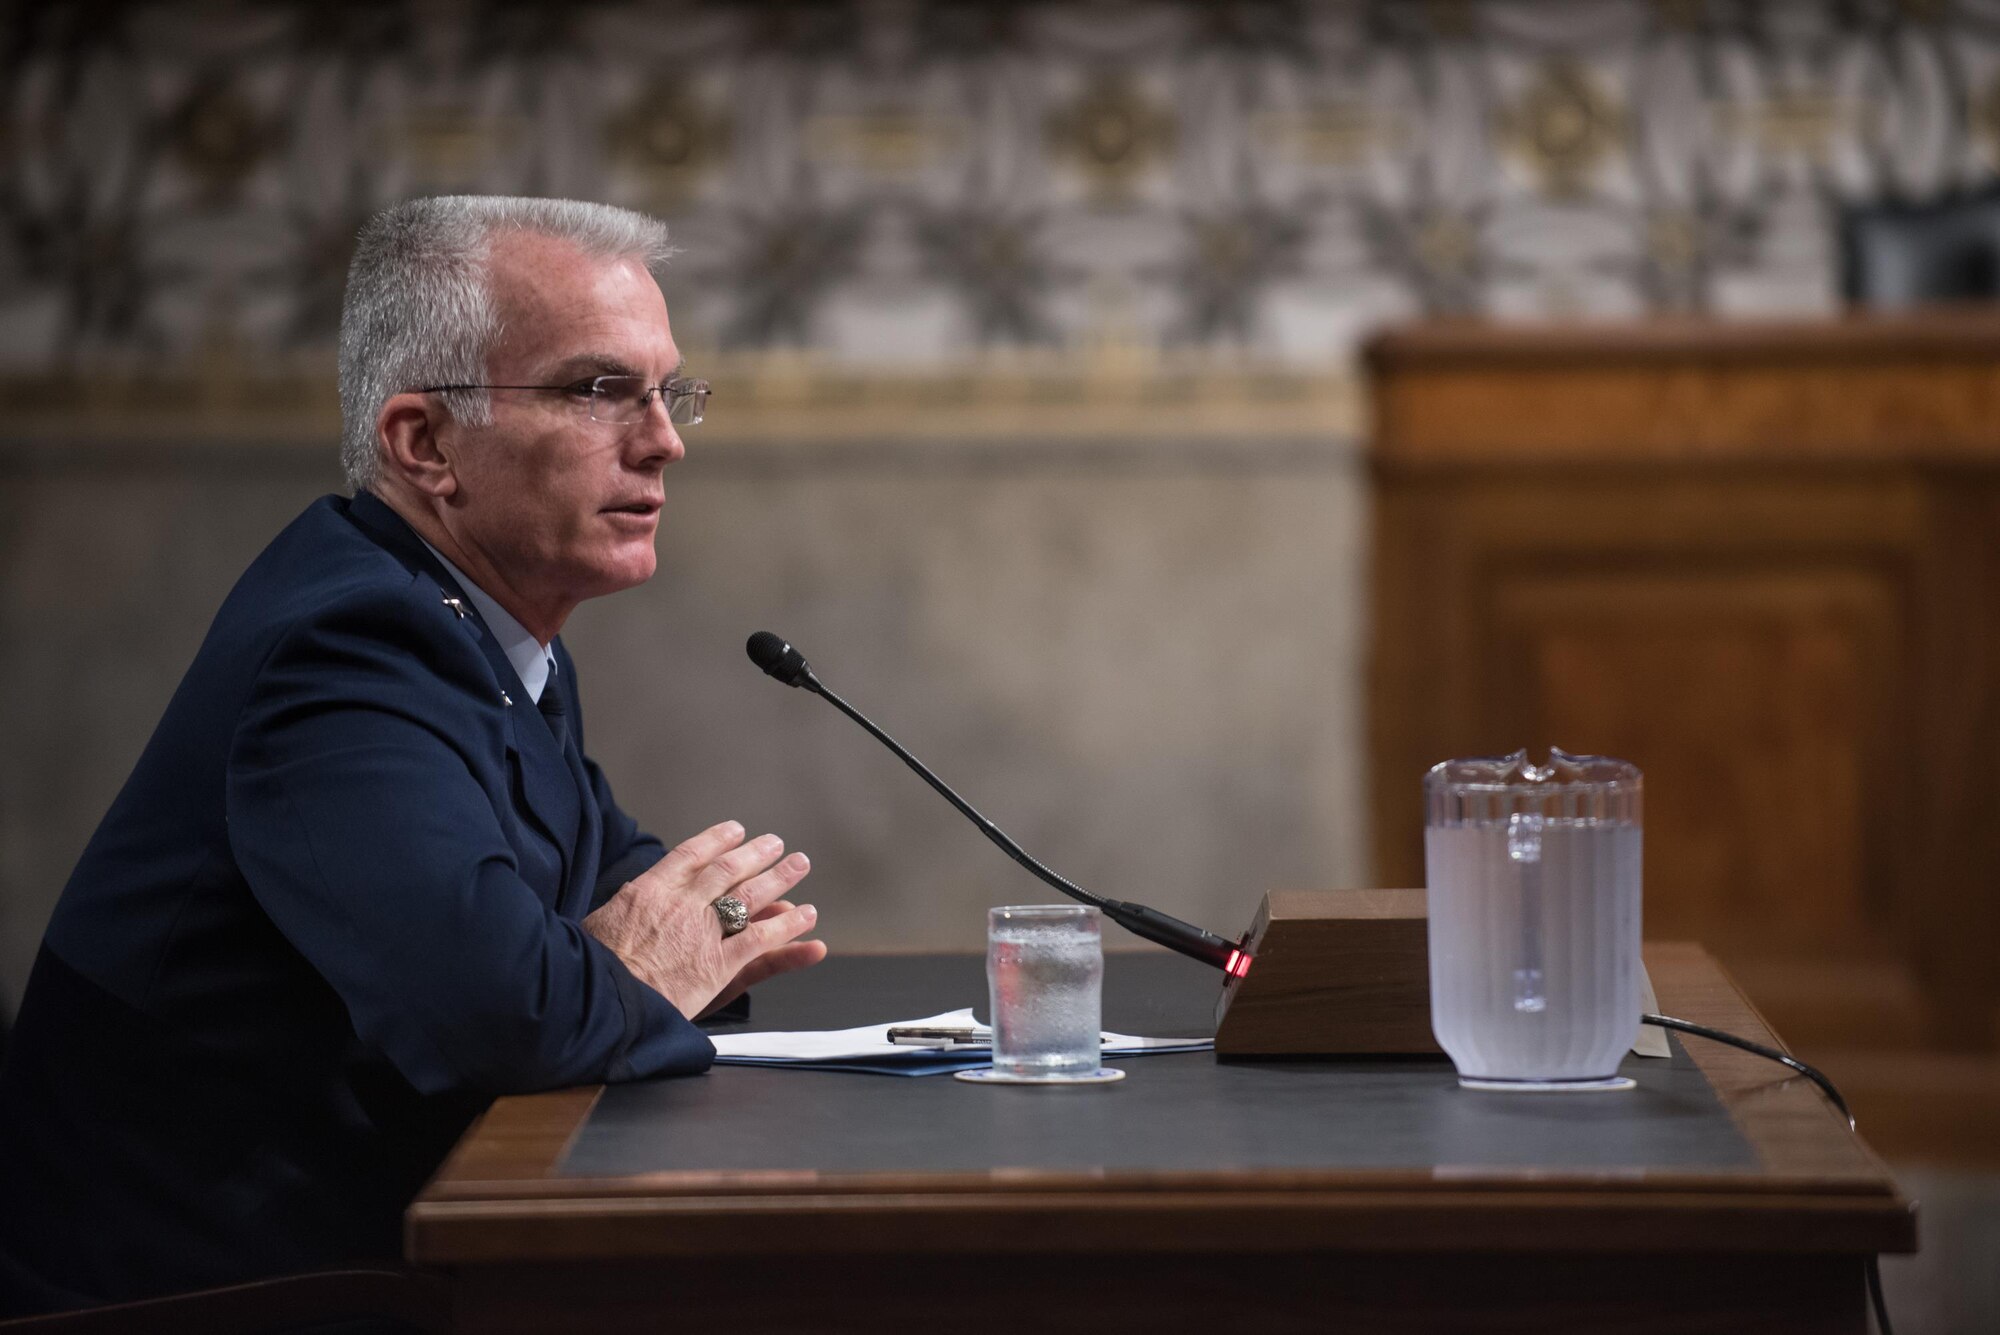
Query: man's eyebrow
[595, 363]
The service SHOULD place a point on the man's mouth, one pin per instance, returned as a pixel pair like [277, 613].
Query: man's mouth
[639, 507]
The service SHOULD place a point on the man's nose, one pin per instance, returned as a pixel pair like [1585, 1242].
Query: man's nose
[653, 438]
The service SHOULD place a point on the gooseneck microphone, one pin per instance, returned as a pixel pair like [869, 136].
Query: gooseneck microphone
[780, 660]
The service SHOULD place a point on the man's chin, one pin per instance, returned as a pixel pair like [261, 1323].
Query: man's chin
[630, 569]
[607, 572]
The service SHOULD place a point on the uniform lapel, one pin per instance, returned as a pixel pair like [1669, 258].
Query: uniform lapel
[548, 783]
[552, 785]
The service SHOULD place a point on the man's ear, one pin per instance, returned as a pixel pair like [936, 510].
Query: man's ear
[406, 431]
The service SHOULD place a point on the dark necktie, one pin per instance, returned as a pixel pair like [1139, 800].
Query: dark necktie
[553, 715]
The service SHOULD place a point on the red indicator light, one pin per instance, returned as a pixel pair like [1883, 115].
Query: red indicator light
[1238, 965]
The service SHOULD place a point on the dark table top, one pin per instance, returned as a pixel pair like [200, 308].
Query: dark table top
[1174, 1113]
[1186, 1157]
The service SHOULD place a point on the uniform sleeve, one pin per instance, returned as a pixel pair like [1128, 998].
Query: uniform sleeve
[364, 784]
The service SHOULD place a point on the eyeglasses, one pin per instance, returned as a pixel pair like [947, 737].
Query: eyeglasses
[618, 399]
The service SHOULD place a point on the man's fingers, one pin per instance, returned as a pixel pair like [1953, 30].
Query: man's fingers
[691, 855]
[729, 869]
[760, 891]
[784, 959]
[797, 955]
[768, 933]
[772, 910]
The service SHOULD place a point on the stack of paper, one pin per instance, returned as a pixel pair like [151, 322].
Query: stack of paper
[869, 1049]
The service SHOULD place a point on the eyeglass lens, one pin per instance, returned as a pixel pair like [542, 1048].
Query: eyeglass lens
[623, 398]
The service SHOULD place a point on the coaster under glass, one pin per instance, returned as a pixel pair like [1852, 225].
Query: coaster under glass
[986, 1075]
[1608, 1084]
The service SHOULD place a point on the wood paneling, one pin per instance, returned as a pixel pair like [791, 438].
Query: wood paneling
[1911, 388]
[1751, 701]
[1761, 562]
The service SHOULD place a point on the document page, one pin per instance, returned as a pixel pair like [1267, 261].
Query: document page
[868, 1047]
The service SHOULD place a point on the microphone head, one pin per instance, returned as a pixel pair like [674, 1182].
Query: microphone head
[777, 658]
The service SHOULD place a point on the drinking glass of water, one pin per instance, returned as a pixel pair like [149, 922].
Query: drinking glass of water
[1533, 897]
[1045, 976]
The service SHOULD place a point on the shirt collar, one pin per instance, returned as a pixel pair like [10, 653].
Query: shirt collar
[534, 662]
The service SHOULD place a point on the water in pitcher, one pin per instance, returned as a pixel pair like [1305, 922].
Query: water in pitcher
[1047, 982]
[1534, 943]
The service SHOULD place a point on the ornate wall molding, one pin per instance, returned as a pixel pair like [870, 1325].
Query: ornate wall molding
[918, 201]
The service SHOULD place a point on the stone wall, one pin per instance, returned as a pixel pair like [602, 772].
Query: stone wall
[1032, 328]
[1143, 667]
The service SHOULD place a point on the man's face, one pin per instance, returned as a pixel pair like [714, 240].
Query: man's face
[560, 507]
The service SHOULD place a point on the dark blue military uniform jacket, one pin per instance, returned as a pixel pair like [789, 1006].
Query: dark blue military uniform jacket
[332, 913]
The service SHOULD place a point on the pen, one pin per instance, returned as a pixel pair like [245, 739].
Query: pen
[926, 1036]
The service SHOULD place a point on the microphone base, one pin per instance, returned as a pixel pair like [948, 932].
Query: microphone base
[1332, 973]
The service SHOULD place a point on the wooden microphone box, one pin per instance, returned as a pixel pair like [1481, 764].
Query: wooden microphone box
[1333, 973]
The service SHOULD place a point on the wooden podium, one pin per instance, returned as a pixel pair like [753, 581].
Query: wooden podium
[1334, 972]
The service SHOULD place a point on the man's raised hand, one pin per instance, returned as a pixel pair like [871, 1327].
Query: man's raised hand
[663, 924]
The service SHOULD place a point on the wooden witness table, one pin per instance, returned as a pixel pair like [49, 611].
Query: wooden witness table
[1177, 1202]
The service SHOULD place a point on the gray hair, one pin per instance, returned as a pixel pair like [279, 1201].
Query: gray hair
[419, 309]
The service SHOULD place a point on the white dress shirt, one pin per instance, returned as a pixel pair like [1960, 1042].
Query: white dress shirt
[534, 662]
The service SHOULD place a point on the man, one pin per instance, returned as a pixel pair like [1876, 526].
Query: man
[363, 877]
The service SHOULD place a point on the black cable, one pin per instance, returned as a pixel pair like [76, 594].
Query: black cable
[1875, 1296]
[1703, 1031]
[1874, 1269]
